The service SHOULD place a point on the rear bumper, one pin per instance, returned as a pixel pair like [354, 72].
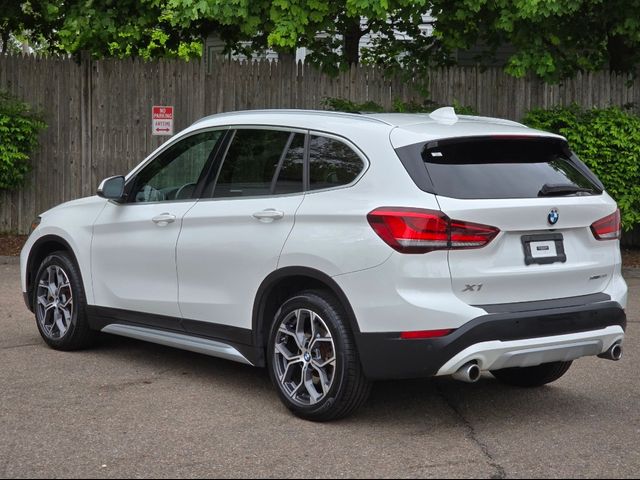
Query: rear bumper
[496, 355]
[497, 340]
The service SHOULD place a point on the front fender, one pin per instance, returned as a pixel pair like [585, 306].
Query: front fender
[69, 226]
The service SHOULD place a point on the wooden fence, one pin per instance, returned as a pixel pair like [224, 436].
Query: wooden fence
[99, 112]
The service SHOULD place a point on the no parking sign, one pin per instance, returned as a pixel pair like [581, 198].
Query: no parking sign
[162, 120]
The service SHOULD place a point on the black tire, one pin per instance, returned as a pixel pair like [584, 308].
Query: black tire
[78, 334]
[532, 376]
[349, 388]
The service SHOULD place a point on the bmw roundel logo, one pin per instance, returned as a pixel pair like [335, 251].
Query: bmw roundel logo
[553, 216]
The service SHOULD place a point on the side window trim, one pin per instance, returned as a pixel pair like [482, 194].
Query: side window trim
[219, 164]
[305, 164]
[213, 170]
[283, 155]
[211, 178]
[211, 161]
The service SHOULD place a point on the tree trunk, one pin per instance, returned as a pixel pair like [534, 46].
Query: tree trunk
[287, 56]
[622, 56]
[4, 37]
[352, 36]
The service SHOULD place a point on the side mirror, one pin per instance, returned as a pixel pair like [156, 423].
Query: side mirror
[112, 188]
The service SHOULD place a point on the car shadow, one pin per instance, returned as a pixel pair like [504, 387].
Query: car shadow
[398, 401]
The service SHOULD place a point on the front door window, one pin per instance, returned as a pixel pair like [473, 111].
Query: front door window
[175, 173]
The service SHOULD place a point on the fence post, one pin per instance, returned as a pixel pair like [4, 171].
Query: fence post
[86, 116]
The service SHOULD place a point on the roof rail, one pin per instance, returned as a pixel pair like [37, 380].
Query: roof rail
[502, 121]
[357, 116]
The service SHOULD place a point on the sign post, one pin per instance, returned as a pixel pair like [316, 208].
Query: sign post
[162, 120]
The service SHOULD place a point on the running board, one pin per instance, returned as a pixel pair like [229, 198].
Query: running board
[178, 340]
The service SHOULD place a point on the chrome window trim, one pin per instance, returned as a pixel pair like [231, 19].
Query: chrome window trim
[285, 128]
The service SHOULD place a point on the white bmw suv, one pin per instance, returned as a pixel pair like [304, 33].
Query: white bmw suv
[338, 249]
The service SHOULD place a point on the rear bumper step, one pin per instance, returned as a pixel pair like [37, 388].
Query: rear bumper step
[386, 356]
[528, 353]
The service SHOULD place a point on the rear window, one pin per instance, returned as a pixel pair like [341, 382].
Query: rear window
[480, 167]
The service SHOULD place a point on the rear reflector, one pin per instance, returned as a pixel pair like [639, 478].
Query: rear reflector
[415, 230]
[421, 335]
[607, 228]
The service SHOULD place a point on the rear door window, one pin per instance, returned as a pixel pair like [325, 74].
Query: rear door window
[251, 163]
[483, 168]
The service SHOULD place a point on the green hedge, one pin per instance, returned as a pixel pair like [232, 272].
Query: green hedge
[19, 129]
[608, 141]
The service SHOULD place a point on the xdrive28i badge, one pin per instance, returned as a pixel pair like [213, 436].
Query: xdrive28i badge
[553, 216]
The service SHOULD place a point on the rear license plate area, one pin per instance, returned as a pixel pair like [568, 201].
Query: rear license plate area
[543, 249]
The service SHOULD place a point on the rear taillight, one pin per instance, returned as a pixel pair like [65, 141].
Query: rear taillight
[414, 230]
[607, 228]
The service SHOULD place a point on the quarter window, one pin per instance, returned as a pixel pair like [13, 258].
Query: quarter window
[332, 163]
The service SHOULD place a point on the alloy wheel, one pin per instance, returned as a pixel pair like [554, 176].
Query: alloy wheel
[54, 307]
[305, 357]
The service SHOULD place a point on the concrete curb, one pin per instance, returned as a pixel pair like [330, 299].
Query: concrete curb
[9, 260]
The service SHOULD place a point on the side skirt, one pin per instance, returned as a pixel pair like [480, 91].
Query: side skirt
[222, 341]
[178, 340]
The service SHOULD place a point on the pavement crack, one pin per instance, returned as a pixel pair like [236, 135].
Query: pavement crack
[472, 435]
[20, 346]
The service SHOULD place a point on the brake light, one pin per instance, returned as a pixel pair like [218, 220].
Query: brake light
[415, 230]
[607, 228]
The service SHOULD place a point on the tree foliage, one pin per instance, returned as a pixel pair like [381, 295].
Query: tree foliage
[35, 21]
[19, 129]
[331, 30]
[124, 28]
[608, 141]
[552, 38]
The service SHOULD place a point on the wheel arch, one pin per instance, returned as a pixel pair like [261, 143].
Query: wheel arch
[287, 281]
[44, 246]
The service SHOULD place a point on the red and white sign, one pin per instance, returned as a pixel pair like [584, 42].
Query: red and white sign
[162, 120]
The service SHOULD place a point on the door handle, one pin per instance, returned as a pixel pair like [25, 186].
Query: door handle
[268, 215]
[164, 219]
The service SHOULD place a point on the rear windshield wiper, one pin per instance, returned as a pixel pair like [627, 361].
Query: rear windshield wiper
[559, 189]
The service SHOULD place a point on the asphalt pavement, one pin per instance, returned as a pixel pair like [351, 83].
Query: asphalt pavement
[132, 409]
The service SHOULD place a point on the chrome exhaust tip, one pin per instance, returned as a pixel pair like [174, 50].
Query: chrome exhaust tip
[469, 373]
[614, 353]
